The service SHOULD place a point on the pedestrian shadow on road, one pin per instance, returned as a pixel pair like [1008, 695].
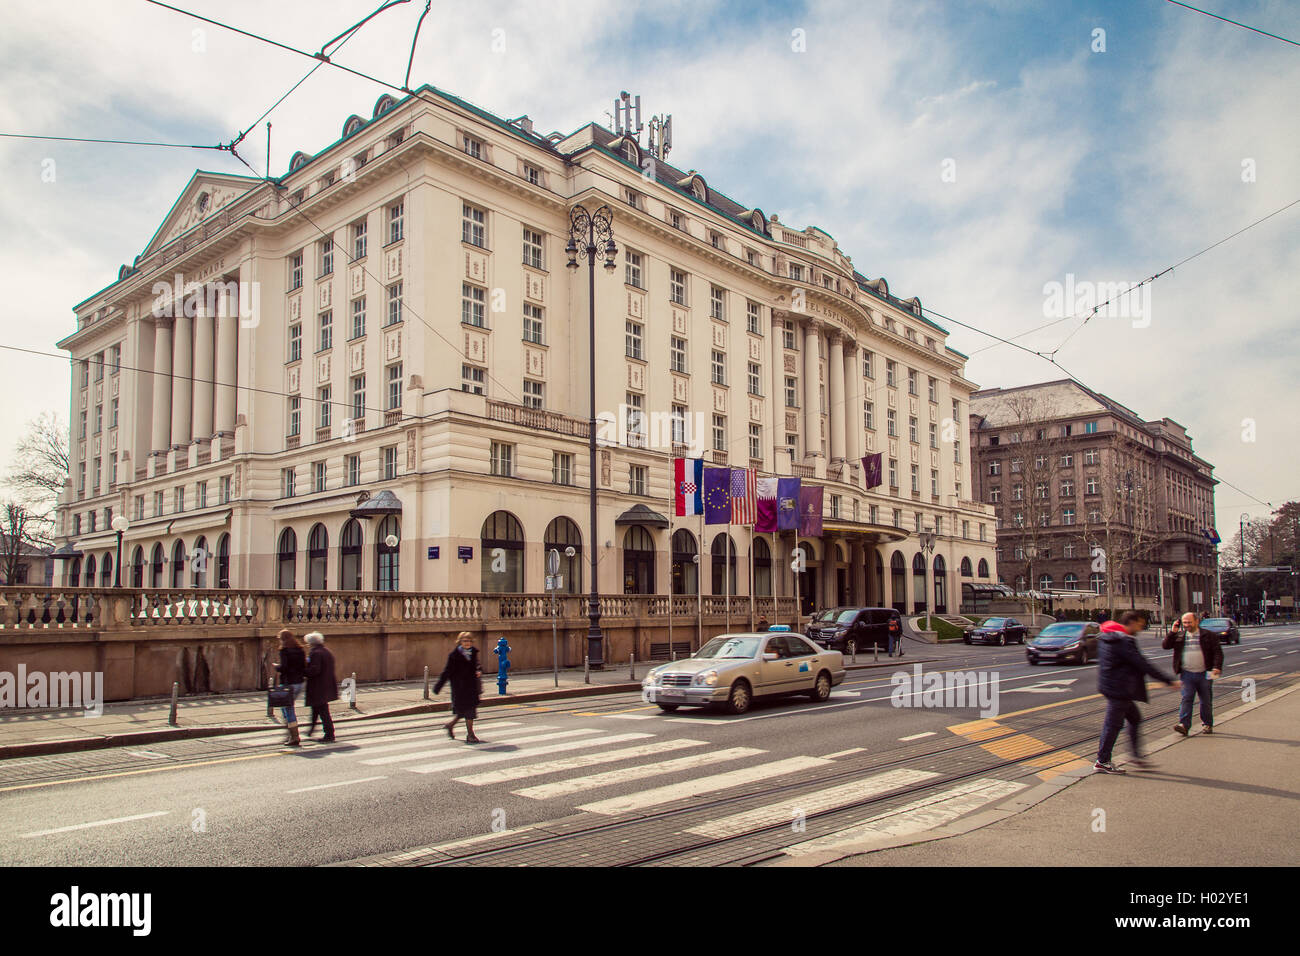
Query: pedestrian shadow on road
[1256, 740]
[1232, 785]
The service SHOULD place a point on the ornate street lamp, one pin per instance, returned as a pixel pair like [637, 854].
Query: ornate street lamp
[119, 524]
[591, 236]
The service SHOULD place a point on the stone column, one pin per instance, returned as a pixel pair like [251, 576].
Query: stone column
[857, 582]
[776, 440]
[182, 372]
[853, 425]
[835, 395]
[162, 383]
[203, 372]
[227, 347]
[812, 421]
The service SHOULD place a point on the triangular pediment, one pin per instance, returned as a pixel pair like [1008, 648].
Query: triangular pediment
[203, 197]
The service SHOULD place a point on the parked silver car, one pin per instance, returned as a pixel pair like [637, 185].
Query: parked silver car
[732, 669]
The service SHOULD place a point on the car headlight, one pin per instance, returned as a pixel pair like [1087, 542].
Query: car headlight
[707, 679]
[653, 677]
[1071, 647]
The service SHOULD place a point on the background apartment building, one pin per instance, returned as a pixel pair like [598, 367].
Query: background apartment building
[382, 381]
[1069, 471]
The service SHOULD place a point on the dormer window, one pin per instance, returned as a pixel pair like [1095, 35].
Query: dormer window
[701, 193]
[630, 153]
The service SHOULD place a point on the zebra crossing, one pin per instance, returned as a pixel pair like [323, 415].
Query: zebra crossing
[581, 765]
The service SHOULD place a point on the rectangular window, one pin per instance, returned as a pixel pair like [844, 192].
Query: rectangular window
[139, 507]
[753, 318]
[359, 239]
[394, 384]
[352, 466]
[755, 440]
[99, 419]
[720, 433]
[754, 376]
[635, 420]
[157, 503]
[1091, 456]
[318, 475]
[934, 435]
[533, 243]
[995, 468]
[533, 394]
[532, 323]
[295, 342]
[995, 495]
[295, 413]
[561, 468]
[912, 430]
[891, 373]
[632, 339]
[791, 392]
[796, 272]
[473, 305]
[394, 303]
[868, 364]
[891, 423]
[295, 271]
[1067, 488]
[358, 396]
[502, 459]
[326, 409]
[473, 226]
[678, 424]
[81, 428]
[787, 336]
[677, 354]
[717, 303]
[719, 365]
[390, 462]
[869, 415]
[911, 381]
[916, 480]
[532, 174]
[893, 473]
[288, 479]
[358, 317]
[396, 217]
[472, 379]
[178, 498]
[112, 469]
[633, 260]
[114, 359]
[326, 339]
[327, 257]
[1067, 517]
[1090, 428]
[677, 286]
[636, 479]
[934, 483]
[934, 389]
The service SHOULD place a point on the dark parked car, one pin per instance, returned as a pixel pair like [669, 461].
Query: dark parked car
[998, 630]
[1224, 628]
[846, 629]
[1064, 641]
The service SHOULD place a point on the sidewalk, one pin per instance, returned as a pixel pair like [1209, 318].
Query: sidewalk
[34, 732]
[1241, 781]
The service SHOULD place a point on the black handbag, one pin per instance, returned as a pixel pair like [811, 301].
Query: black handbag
[280, 695]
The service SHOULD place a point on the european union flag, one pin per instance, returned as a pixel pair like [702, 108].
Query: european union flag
[717, 495]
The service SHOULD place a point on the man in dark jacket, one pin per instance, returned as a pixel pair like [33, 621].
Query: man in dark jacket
[1198, 660]
[321, 685]
[1121, 679]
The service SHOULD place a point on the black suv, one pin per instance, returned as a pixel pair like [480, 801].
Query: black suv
[846, 629]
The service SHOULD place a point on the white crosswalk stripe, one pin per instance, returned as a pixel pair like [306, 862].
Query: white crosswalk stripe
[433, 749]
[576, 762]
[786, 810]
[430, 738]
[494, 757]
[595, 781]
[721, 781]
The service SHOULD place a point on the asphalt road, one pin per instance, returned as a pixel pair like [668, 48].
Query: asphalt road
[596, 780]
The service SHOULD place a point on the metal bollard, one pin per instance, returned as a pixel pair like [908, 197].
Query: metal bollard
[171, 718]
[586, 671]
[426, 681]
[631, 665]
[353, 702]
[875, 653]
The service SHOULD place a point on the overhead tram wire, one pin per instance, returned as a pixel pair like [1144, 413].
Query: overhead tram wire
[1235, 23]
[220, 147]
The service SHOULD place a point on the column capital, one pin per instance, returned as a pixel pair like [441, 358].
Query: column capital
[164, 322]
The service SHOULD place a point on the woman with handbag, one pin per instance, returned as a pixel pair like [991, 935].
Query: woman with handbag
[292, 674]
[463, 673]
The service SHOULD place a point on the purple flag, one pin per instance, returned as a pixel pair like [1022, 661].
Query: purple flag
[810, 511]
[787, 504]
[717, 495]
[872, 468]
[766, 492]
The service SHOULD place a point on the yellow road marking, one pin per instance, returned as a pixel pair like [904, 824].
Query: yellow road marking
[133, 773]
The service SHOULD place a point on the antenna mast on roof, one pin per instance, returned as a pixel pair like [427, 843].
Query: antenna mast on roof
[661, 135]
[627, 115]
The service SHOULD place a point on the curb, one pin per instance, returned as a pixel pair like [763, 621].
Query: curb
[77, 744]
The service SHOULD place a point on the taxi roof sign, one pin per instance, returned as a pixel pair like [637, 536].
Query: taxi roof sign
[779, 627]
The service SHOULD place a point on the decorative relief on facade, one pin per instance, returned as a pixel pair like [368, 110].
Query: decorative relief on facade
[679, 321]
[680, 388]
[916, 457]
[719, 335]
[358, 355]
[911, 406]
[790, 362]
[293, 383]
[394, 263]
[239, 475]
[893, 448]
[476, 346]
[356, 280]
[410, 449]
[323, 293]
[756, 350]
[792, 421]
[636, 304]
[535, 362]
[934, 413]
[117, 385]
[755, 409]
[719, 400]
[636, 376]
[475, 267]
[891, 398]
[112, 440]
[871, 442]
[535, 286]
[97, 447]
[392, 344]
[295, 308]
[323, 369]
[606, 468]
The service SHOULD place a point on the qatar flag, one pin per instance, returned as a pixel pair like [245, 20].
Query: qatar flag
[766, 489]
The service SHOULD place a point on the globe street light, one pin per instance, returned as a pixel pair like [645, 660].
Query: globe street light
[119, 524]
[591, 236]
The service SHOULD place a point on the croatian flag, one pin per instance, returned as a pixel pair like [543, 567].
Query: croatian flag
[765, 492]
[787, 504]
[743, 504]
[717, 495]
[1212, 535]
[871, 467]
[688, 486]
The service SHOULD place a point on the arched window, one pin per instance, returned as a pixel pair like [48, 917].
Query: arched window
[178, 564]
[983, 568]
[74, 573]
[199, 567]
[965, 567]
[723, 552]
[1020, 582]
[918, 581]
[1044, 582]
[686, 572]
[106, 571]
[762, 568]
[561, 534]
[940, 585]
[223, 561]
[350, 544]
[137, 567]
[1097, 581]
[502, 558]
[90, 571]
[638, 561]
[1071, 581]
[386, 556]
[898, 582]
[318, 550]
[156, 567]
[630, 153]
[287, 560]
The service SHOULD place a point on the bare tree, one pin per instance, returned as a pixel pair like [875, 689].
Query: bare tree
[1120, 515]
[20, 536]
[1035, 468]
[39, 469]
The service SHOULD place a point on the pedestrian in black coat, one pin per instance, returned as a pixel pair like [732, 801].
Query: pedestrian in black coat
[321, 685]
[1121, 679]
[292, 669]
[463, 673]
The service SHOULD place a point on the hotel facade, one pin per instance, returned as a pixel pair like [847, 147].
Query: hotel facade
[372, 374]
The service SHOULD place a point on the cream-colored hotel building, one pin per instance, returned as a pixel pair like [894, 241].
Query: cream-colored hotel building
[385, 346]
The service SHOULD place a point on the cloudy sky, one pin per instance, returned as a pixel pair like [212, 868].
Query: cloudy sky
[971, 153]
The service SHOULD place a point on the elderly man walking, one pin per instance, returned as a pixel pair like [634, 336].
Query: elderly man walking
[1198, 659]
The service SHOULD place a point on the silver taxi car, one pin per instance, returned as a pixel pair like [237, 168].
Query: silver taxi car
[732, 669]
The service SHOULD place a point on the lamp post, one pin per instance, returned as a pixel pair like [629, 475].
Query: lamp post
[591, 236]
[928, 540]
[119, 524]
[1245, 598]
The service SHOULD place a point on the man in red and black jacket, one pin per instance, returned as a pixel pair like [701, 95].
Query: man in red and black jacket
[1121, 679]
[1198, 658]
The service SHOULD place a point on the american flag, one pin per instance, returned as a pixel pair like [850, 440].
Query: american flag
[744, 496]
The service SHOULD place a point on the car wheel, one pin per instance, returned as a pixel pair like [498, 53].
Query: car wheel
[669, 708]
[821, 687]
[1002, 639]
[966, 640]
[1033, 662]
[739, 699]
[851, 647]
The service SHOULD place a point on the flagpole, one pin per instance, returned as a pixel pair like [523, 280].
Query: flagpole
[726, 567]
[796, 580]
[672, 653]
[699, 588]
[775, 574]
[753, 598]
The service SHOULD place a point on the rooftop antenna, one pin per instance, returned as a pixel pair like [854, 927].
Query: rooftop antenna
[661, 135]
[627, 115]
